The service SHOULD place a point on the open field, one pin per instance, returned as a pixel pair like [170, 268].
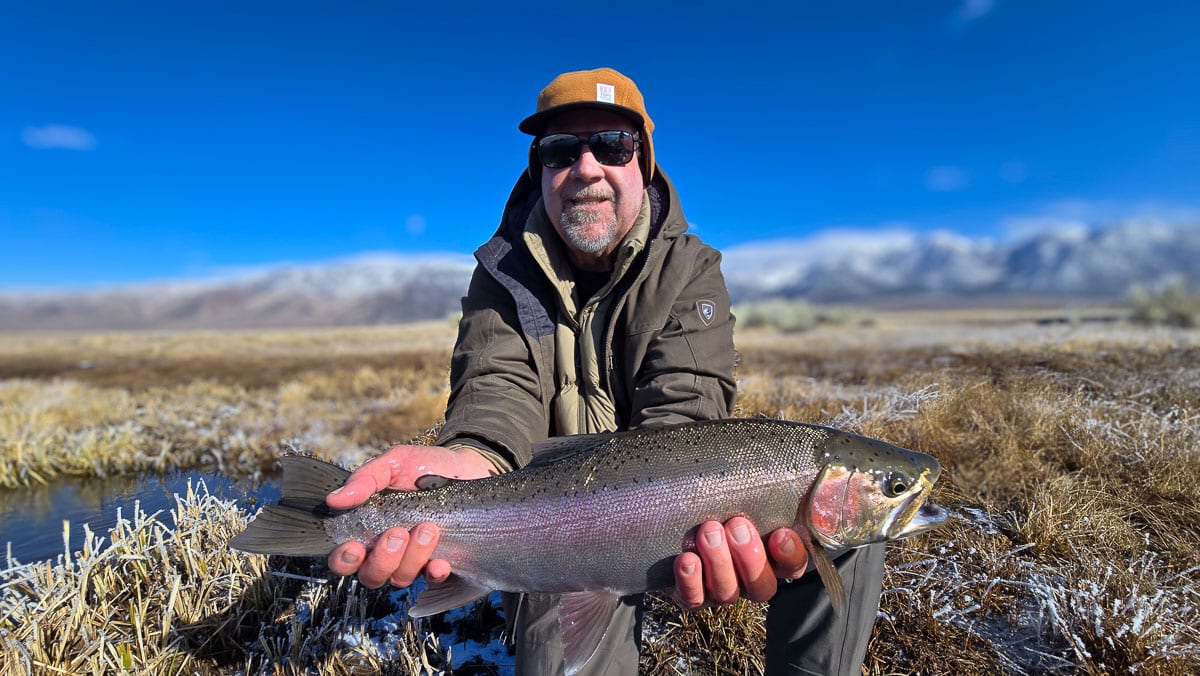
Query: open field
[1072, 470]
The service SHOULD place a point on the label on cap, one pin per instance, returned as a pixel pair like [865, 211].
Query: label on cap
[606, 93]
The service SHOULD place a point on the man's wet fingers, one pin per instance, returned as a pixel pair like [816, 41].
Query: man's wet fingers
[384, 558]
[346, 558]
[689, 581]
[750, 559]
[787, 553]
[421, 544]
[720, 578]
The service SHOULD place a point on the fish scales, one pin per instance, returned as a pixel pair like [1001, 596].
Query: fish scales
[620, 512]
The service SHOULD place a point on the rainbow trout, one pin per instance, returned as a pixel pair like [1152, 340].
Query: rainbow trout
[550, 526]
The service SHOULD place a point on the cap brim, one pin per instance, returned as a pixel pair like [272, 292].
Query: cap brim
[534, 124]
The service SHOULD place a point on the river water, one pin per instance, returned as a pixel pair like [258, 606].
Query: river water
[31, 519]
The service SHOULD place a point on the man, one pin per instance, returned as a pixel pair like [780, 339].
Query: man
[591, 310]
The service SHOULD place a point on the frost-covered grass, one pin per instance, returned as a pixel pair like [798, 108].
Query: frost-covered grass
[1072, 472]
[1171, 303]
[793, 316]
[84, 405]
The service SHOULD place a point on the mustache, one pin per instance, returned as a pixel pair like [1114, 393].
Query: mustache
[592, 194]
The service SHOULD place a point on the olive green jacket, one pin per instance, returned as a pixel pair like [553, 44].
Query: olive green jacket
[653, 347]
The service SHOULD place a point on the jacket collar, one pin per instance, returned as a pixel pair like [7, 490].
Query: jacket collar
[509, 262]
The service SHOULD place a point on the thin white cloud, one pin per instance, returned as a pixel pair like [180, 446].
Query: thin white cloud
[971, 11]
[946, 179]
[58, 136]
[1022, 227]
[1067, 215]
[1073, 217]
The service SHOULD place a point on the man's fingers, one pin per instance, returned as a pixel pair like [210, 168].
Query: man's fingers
[689, 581]
[374, 476]
[420, 546]
[357, 489]
[437, 571]
[347, 557]
[384, 558]
[750, 559]
[787, 553]
[720, 578]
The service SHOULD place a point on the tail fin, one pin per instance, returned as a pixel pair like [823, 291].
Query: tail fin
[295, 527]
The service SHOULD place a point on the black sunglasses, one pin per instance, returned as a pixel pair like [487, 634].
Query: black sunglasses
[612, 148]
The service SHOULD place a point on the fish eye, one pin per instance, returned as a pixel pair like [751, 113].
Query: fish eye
[895, 485]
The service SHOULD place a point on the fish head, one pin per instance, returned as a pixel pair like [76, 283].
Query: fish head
[870, 491]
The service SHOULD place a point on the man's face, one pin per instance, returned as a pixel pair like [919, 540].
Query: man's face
[592, 205]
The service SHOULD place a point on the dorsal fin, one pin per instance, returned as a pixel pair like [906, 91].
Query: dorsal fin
[306, 481]
[557, 448]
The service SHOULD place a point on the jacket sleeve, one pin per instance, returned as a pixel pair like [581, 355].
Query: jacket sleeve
[686, 372]
[495, 400]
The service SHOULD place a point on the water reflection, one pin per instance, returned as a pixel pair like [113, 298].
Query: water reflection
[31, 518]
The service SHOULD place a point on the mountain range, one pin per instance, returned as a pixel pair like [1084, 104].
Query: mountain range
[1099, 263]
[1077, 262]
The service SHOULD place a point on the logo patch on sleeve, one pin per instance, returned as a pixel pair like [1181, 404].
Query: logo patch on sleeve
[707, 311]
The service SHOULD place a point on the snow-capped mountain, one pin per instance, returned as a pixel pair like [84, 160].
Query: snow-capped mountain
[833, 266]
[857, 266]
[368, 289]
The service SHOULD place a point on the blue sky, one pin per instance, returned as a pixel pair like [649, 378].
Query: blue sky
[144, 140]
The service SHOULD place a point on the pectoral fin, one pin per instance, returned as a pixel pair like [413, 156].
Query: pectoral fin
[826, 570]
[454, 592]
[584, 618]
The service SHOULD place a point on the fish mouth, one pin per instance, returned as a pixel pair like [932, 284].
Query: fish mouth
[923, 516]
[926, 519]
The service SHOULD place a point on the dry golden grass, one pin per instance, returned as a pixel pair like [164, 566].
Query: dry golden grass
[1072, 469]
[120, 404]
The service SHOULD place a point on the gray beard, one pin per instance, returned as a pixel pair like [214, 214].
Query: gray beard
[576, 224]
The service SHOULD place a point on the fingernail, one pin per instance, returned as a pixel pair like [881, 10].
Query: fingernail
[424, 536]
[787, 546]
[688, 568]
[394, 543]
[713, 537]
[336, 491]
[741, 534]
[349, 558]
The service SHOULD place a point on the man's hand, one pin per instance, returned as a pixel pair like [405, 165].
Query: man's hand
[398, 555]
[731, 561]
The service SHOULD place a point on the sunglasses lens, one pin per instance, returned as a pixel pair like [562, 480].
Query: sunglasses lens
[558, 151]
[614, 148]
